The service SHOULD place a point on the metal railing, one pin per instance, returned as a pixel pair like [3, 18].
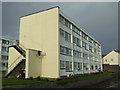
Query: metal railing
[15, 63]
[20, 50]
[19, 47]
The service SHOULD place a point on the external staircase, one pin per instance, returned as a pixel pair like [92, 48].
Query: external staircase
[18, 65]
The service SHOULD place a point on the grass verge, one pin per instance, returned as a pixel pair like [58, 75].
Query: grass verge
[14, 81]
[85, 77]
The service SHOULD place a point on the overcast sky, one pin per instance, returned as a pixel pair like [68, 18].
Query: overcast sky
[99, 19]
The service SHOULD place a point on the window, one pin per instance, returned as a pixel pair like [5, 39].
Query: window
[4, 48]
[5, 42]
[85, 66]
[106, 60]
[76, 30]
[76, 54]
[95, 44]
[96, 58]
[90, 48]
[76, 41]
[62, 64]
[84, 45]
[84, 36]
[73, 28]
[7, 65]
[62, 33]
[112, 59]
[68, 66]
[90, 40]
[91, 57]
[62, 50]
[68, 51]
[65, 21]
[95, 51]
[75, 66]
[62, 20]
[98, 52]
[92, 67]
[85, 56]
[65, 50]
[3, 64]
[66, 35]
[78, 66]
[4, 57]
[96, 67]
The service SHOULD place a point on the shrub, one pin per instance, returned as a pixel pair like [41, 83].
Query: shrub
[31, 78]
[44, 79]
[38, 78]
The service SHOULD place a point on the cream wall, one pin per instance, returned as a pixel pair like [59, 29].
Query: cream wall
[33, 64]
[119, 59]
[40, 31]
[13, 56]
[112, 55]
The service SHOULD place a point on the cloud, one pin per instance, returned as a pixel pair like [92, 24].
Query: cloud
[100, 20]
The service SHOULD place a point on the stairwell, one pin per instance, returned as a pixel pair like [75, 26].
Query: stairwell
[18, 65]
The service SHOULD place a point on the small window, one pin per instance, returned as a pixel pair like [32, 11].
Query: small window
[76, 41]
[85, 66]
[62, 33]
[75, 65]
[4, 57]
[96, 67]
[92, 67]
[65, 50]
[85, 55]
[5, 42]
[68, 66]
[4, 48]
[106, 60]
[62, 64]
[79, 66]
[3, 64]
[112, 59]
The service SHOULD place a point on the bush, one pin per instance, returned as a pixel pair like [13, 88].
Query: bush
[44, 79]
[31, 78]
[38, 78]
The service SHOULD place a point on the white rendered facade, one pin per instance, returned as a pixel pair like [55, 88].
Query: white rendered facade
[112, 58]
[79, 52]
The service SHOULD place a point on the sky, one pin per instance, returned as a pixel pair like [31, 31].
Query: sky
[98, 19]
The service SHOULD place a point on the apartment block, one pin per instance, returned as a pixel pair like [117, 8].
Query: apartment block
[4, 44]
[51, 46]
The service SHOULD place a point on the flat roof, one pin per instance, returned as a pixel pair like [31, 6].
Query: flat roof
[66, 18]
[78, 26]
[40, 11]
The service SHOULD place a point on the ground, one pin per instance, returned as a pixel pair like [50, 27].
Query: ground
[110, 83]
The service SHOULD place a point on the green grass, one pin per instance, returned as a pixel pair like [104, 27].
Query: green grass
[2, 72]
[84, 77]
[11, 81]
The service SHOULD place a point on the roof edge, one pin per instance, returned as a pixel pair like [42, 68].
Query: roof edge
[40, 11]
